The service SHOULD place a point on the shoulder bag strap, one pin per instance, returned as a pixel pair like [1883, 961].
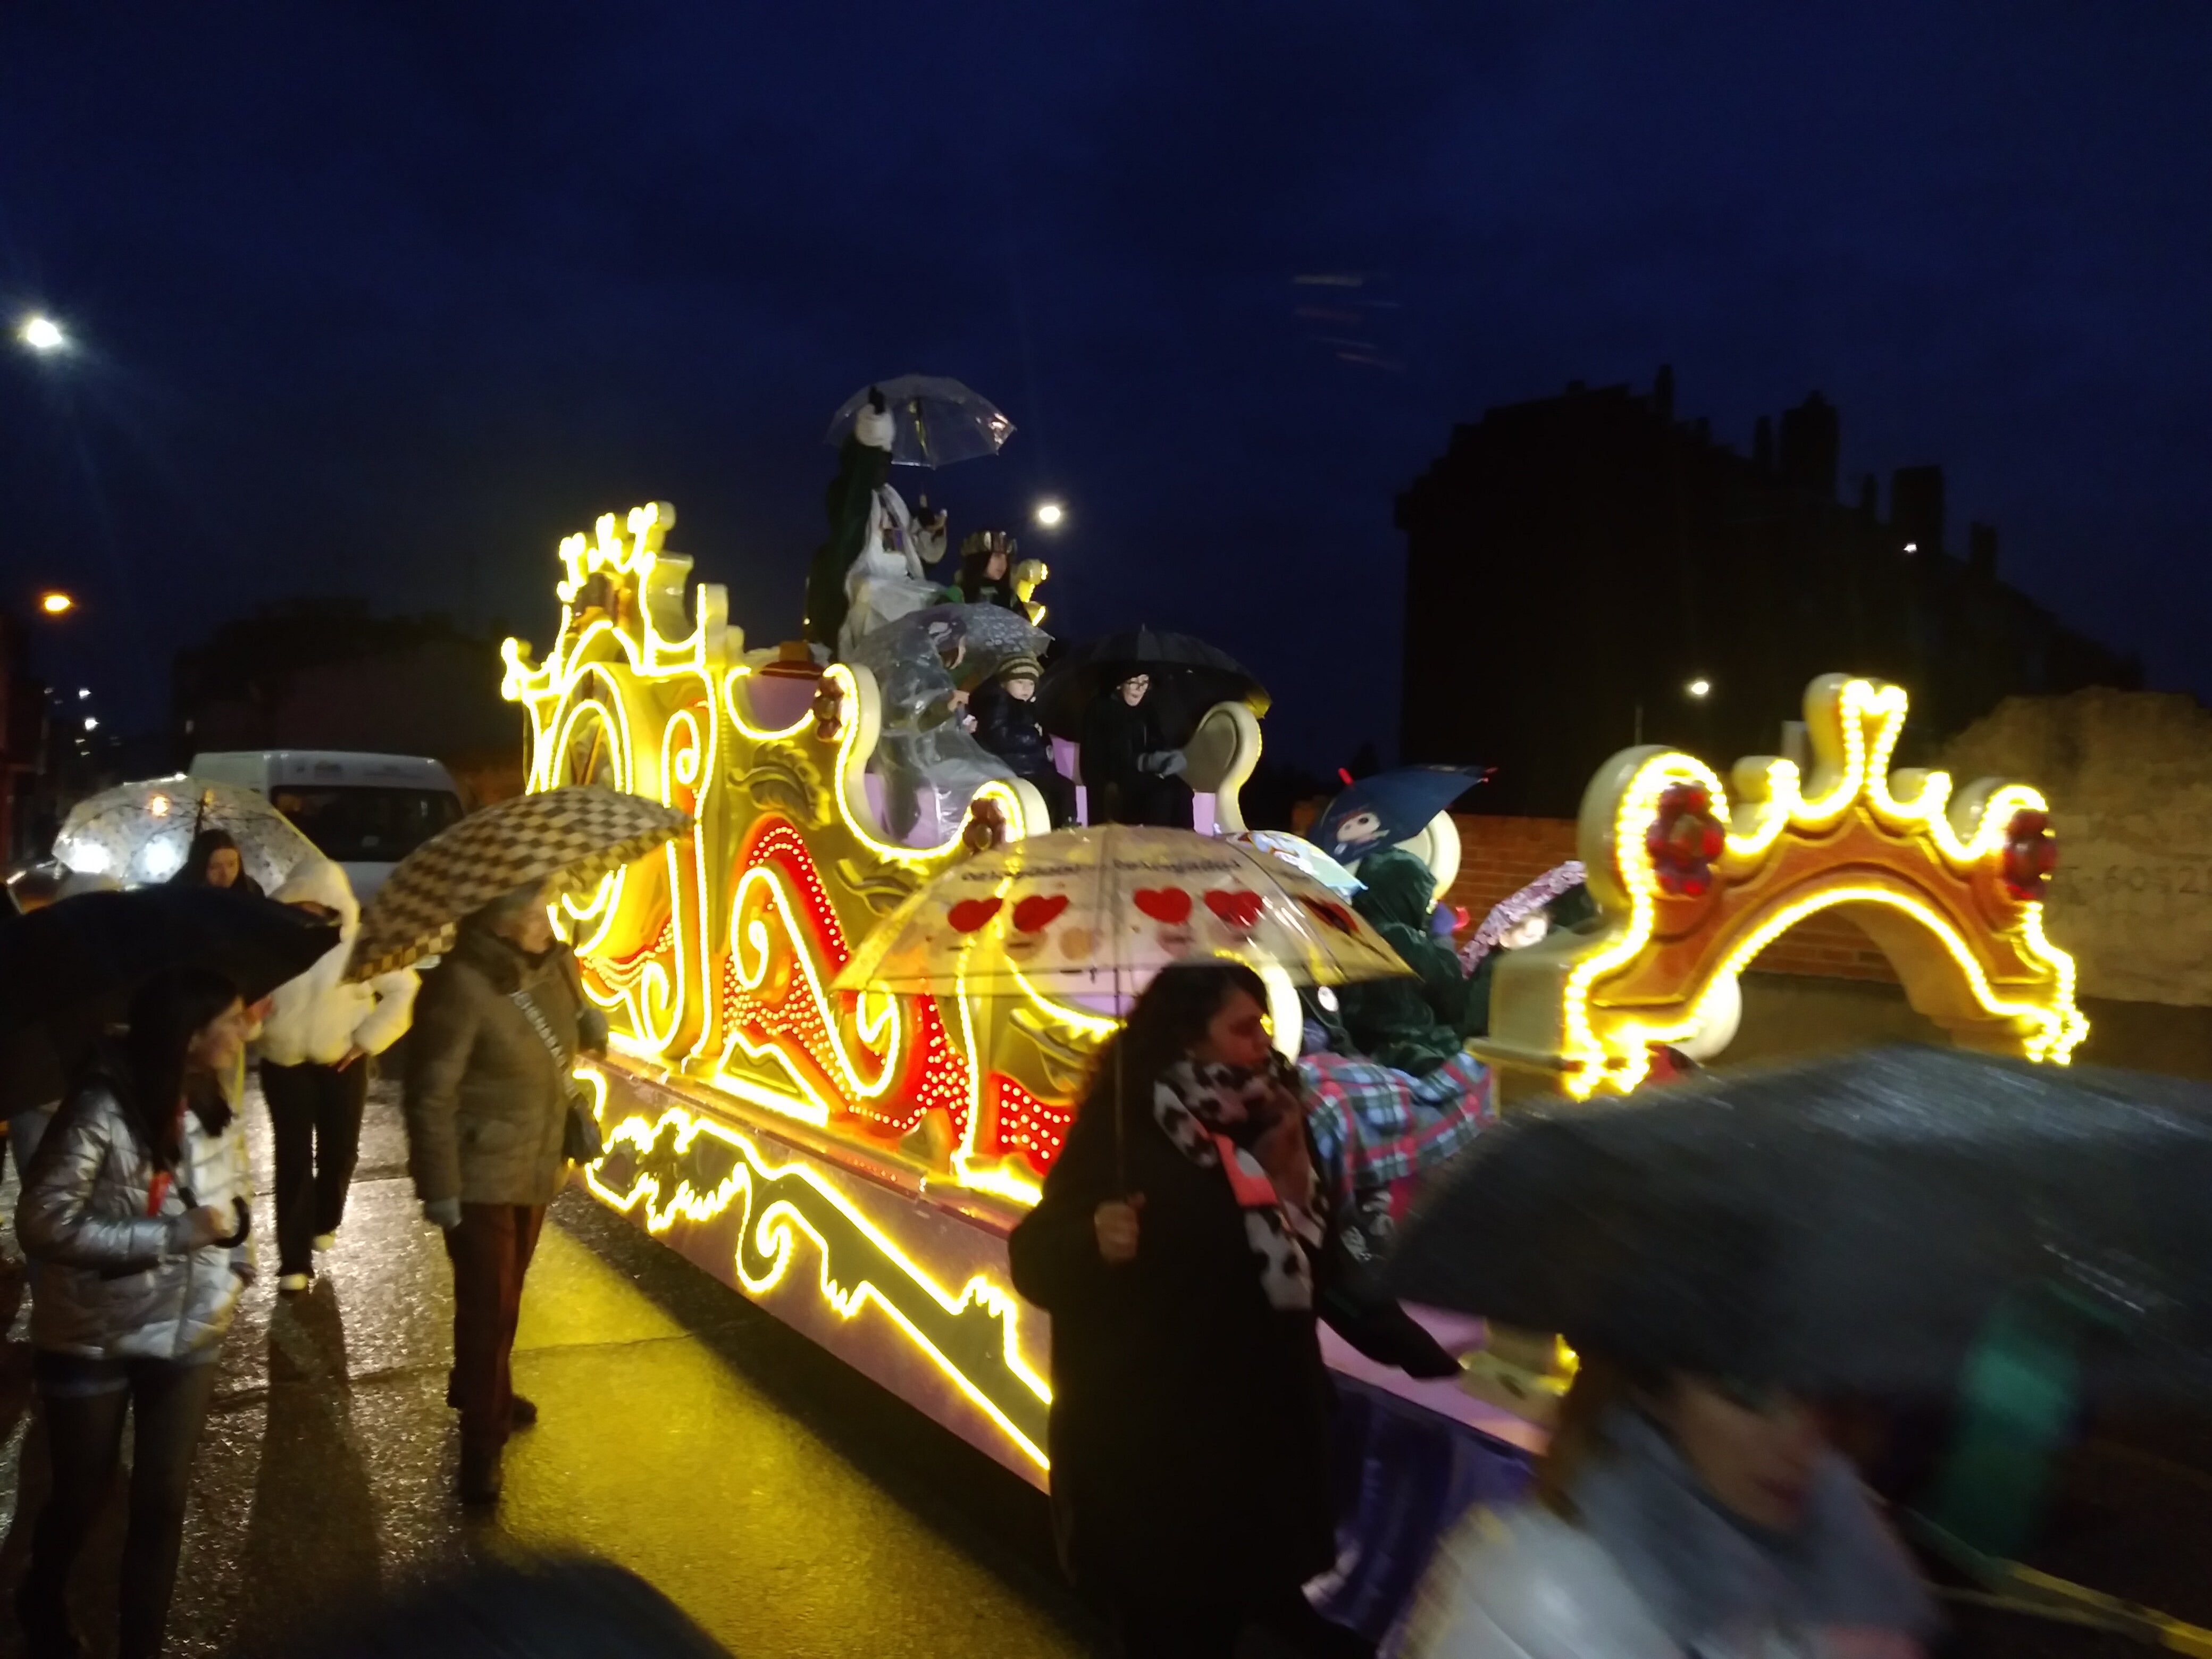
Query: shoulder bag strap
[522, 1000]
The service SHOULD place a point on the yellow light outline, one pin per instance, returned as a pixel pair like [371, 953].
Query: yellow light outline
[758, 734]
[1623, 1057]
[772, 1235]
[816, 988]
[849, 767]
[650, 659]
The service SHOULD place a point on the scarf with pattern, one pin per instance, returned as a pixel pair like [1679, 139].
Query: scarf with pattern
[1211, 1113]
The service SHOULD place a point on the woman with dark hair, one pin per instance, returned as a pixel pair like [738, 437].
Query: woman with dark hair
[135, 1211]
[986, 561]
[213, 860]
[1676, 1513]
[1176, 1248]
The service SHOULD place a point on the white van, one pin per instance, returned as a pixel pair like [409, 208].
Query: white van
[365, 813]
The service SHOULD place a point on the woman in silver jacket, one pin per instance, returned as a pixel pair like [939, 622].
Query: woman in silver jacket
[136, 1211]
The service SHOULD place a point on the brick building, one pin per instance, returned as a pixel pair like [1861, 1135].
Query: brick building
[1575, 564]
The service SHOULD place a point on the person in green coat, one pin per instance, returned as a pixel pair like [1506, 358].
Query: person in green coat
[1413, 1024]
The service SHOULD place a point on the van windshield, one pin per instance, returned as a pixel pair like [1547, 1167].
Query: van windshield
[354, 823]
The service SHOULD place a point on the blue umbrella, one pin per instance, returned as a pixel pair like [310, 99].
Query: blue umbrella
[936, 421]
[1390, 807]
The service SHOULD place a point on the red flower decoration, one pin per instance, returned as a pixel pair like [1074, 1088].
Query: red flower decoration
[2031, 855]
[1684, 840]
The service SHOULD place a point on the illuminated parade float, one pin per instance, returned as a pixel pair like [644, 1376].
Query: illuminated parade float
[855, 1161]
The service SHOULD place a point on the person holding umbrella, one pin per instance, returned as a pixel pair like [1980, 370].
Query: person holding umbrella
[1677, 1511]
[1183, 1249]
[213, 860]
[1182, 1244]
[493, 1111]
[1412, 1025]
[1130, 774]
[487, 1100]
[136, 1213]
[315, 1045]
[1910, 1225]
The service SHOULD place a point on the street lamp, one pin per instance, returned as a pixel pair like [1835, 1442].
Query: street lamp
[1699, 688]
[1049, 514]
[56, 602]
[41, 333]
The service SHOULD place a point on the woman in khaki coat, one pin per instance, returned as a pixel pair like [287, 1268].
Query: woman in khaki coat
[497, 1025]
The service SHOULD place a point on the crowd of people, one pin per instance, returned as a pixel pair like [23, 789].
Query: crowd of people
[136, 1217]
[1182, 1249]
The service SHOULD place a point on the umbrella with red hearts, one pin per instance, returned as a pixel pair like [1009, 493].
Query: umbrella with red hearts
[1098, 911]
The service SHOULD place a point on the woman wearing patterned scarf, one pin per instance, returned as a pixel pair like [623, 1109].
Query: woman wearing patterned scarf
[1177, 1252]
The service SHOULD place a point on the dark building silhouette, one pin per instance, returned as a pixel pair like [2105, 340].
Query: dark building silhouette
[1574, 564]
[322, 673]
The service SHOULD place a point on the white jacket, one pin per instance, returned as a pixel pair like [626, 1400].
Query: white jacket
[318, 1017]
[1526, 1585]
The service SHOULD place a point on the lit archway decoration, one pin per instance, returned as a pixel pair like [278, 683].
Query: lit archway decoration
[1693, 881]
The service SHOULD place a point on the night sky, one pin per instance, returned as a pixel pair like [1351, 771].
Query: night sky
[383, 299]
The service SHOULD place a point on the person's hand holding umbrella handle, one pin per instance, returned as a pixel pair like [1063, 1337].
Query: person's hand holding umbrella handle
[197, 1228]
[1115, 1223]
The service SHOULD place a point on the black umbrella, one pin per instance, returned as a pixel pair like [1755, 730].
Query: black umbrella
[1188, 677]
[69, 968]
[89, 951]
[1846, 1224]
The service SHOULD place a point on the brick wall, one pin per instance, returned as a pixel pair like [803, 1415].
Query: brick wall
[1499, 856]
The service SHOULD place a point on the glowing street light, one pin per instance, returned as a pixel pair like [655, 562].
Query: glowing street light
[91, 722]
[55, 603]
[41, 333]
[1049, 514]
[1699, 688]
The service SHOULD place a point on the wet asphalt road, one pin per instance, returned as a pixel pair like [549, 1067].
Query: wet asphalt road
[789, 1505]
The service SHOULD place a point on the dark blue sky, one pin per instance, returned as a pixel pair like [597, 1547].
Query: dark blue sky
[383, 299]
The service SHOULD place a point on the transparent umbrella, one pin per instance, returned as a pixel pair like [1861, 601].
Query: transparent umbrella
[138, 833]
[937, 421]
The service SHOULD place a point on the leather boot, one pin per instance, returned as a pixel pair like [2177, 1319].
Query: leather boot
[480, 1474]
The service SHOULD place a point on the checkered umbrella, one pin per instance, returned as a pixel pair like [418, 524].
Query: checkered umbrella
[566, 838]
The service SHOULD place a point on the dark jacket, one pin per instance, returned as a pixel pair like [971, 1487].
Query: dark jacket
[1116, 736]
[486, 1103]
[1415, 1024]
[850, 500]
[1189, 1426]
[1010, 729]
